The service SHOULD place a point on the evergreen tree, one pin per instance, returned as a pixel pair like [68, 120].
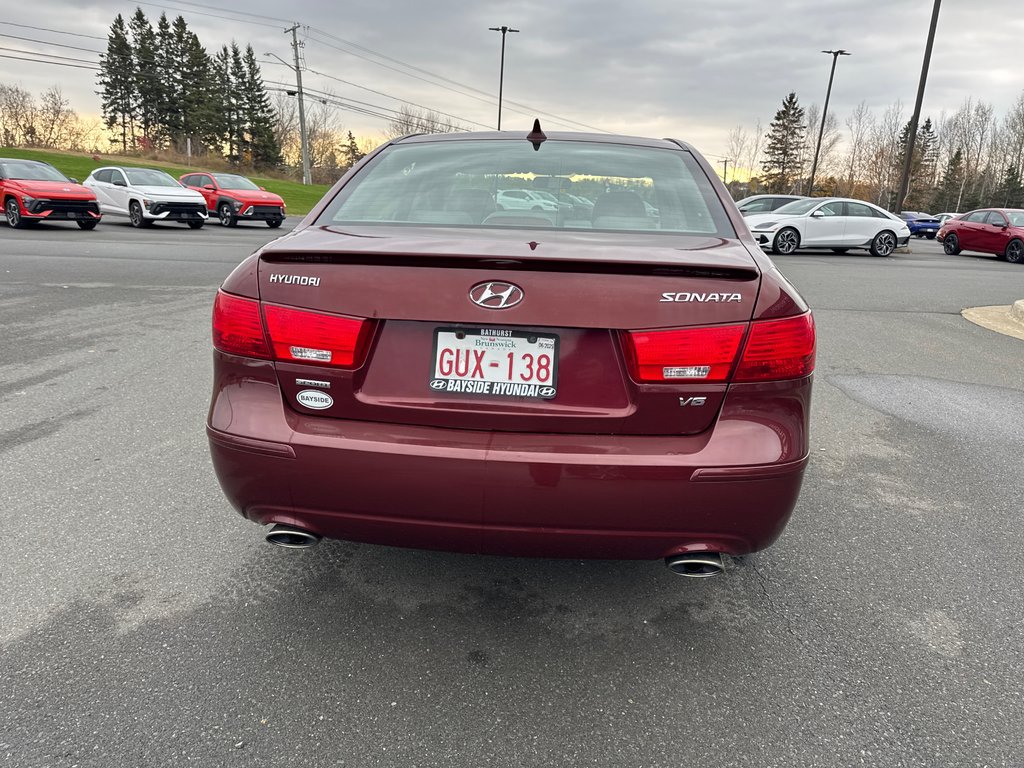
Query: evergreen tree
[117, 78]
[922, 164]
[259, 115]
[1011, 190]
[148, 77]
[947, 195]
[199, 104]
[352, 153]
[238, 139]
[785, 141]
[224, 96]
[169, 109]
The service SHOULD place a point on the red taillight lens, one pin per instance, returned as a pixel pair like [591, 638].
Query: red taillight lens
[778, 349]
[685, 354]
[300, 336]
[237, 329]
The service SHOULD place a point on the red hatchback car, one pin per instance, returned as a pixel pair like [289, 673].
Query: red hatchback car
[413, 366]
[32, 191]
[991, 230]
[233, 198]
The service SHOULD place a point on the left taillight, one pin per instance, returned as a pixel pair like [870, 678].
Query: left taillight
[317, 338]
[237, 328]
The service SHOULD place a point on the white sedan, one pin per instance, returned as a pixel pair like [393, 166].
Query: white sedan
[145, 196]
[833, 223]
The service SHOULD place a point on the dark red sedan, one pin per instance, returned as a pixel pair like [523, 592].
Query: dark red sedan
[415, 367]
[999, 231]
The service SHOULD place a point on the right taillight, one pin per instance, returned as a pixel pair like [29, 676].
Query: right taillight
[778, 349]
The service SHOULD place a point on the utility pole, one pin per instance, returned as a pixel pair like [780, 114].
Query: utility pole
[824, 113]
[501, 74]
[901, 194]
[725, 169]
[303, 139]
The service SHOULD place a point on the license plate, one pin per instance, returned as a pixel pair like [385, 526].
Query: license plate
[497, 362]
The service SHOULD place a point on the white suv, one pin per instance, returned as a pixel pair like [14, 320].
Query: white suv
[525, 200]
[146, 195]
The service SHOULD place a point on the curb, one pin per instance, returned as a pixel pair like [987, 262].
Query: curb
[1007, 320]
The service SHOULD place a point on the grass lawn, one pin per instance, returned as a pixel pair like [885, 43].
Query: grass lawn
[299, 198]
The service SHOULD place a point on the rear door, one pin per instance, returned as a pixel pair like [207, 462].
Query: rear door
[546, 345]
[861, 224]
[995, 233]
[971, 231]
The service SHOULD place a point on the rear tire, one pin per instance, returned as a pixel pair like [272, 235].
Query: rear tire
[951, 244]
[786, 241]
[1014, 252]
[87, 224]
[931, 236]
[883, 244]
[13, 213]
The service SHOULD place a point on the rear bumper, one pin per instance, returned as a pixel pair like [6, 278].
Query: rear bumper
[731, 489]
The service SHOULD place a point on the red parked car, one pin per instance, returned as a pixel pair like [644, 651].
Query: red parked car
[33, 191]
[414, 367]
[233, 198]
[990, 230]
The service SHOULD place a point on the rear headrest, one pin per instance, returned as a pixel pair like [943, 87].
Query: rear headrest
[619, 202]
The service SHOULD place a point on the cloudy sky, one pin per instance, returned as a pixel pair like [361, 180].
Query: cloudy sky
[681, 68]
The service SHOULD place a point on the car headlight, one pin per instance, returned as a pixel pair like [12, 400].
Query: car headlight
[146, 202]
[236, 204]
[767, 225]
[27, 201]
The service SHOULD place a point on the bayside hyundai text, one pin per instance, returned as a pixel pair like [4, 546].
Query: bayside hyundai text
[413, 366]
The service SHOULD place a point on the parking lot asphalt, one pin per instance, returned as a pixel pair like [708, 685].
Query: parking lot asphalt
[144, 623]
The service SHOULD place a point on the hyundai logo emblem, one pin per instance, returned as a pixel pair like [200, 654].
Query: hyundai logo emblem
[495, 295]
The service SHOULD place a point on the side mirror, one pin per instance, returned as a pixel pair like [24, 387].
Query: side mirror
[73, 179]
[119, 183]
[818, 215]
[263, 188]
[210, 187]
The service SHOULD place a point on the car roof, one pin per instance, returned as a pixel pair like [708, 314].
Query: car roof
[22, 160]
[600, 138]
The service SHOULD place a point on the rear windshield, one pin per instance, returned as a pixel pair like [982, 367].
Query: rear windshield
[508, 184]
[30, 171]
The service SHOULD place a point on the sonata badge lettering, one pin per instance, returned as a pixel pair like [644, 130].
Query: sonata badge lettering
[495, 295]
[314, 399]
[295, 280]
[684, 296]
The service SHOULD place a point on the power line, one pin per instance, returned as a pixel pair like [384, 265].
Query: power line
[49, 55]
[55, 31]
[204, 13]
[54, 63]
[240, 13]
[485, 97]
[396, 98]
[47, 42]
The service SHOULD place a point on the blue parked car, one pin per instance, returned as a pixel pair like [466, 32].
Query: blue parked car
[921, 224]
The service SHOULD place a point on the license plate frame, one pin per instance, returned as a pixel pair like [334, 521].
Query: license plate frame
[484, 362]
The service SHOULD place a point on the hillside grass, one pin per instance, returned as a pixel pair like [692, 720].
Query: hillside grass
[298, 198]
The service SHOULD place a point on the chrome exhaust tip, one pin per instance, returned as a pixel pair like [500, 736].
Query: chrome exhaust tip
[292, 538]
[696, 565]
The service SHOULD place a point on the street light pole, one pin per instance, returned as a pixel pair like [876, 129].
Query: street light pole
[501, 75]
[901, 195]
[824, 113]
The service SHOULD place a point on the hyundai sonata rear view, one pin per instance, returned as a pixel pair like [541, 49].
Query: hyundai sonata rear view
[419, 365]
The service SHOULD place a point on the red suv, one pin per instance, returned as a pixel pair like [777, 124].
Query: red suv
[991, 230]
[234, 198]
[33, 191]
[414, 367]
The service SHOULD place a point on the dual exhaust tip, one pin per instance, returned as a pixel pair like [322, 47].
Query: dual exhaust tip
[696, 565]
